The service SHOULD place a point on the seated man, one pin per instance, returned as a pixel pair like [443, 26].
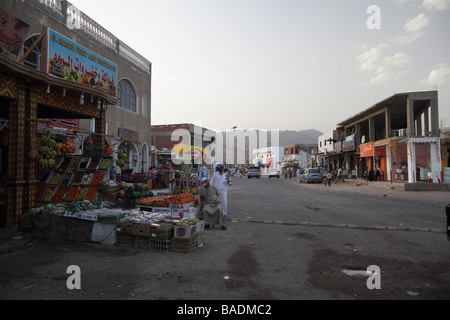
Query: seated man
[210, 209]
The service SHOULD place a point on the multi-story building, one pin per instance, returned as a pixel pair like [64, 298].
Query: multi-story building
[302, 154]
[397, 137]
[58, 67]
[171, 142]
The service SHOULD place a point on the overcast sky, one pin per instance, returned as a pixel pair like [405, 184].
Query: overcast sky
[282, 64]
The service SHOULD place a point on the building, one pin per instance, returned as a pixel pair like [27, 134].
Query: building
[302, 154]
[398, 137]
[172, 142]
[59, 68]
[268, 158]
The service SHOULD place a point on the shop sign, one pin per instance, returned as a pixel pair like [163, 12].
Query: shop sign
[338, 146]
[13, 32]
[348, 145]
[128, 135]
[366, 150]
[72, 62]
[69, 124]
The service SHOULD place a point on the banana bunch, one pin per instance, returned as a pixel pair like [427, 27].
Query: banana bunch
[121, 157]
[47, 151]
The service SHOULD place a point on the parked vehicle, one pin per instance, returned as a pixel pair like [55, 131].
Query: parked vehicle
[311, 175]
[274, 174]
[254, 172]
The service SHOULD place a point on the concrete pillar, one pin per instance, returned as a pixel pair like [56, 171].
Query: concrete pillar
[387, 120]
[371, 129]
[435, 159]
[411, 162]
[419, 125]
[410, 117]
[426, 119]
[434, 117]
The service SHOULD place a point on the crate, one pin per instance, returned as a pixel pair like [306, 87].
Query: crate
[124, 227]
[124, 240]
[185, 245]
[143, 230]
[161, 233]
[141, 242]
[161, 245]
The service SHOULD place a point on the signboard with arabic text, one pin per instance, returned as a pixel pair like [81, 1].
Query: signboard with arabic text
[72, 62]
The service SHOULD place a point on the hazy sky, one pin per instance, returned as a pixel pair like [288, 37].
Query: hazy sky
[281, 64]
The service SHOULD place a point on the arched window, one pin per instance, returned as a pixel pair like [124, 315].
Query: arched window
[34, 58]
[126, 96]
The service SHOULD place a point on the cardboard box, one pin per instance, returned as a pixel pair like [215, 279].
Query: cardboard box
[125, 227]
[161, 234]
[161, 210]
[188, 213]
[86, 216]
[143, 230]
[181, 206]
[184, 232]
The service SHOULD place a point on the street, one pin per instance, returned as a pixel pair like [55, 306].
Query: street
[285, 241]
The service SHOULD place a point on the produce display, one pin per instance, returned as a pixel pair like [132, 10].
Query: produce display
[121, 157]
[47, 152]
[72, 180]
[185, 223]
[184, 198]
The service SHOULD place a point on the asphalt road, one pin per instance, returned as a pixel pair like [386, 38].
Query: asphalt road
[285, 241]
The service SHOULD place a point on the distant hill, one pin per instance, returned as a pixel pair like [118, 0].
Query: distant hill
[290, 137]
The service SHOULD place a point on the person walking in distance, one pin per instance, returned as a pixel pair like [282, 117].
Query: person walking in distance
[339, 176]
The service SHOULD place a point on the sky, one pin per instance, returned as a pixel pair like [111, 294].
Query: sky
[282, 64]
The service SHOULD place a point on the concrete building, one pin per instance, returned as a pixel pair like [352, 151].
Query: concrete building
[303, 154]
[397, 137]
[127, 122]
[184, 135]
[269, 158]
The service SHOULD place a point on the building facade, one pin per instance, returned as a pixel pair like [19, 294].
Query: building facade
[59, 68]
[396, 139]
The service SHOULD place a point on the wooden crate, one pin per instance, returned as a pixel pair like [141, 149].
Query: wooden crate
[124, 240]
[185, 245]
[161, 245]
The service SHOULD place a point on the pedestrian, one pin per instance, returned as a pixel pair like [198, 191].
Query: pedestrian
[285, 174]
[329, 178]
[339, 175]
[219, 180]
[211, 207]
[290, 173]
[299, 172]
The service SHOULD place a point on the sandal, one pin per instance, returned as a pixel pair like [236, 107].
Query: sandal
[224, 228]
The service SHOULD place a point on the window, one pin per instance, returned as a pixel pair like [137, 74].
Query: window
[34, 58]
[126, 97]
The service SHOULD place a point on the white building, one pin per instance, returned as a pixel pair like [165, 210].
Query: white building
[270, 158]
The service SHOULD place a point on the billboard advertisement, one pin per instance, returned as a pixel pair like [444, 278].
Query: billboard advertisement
[72, 62]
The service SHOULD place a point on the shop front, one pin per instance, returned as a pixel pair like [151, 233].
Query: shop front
[403, 159]
[63, 88]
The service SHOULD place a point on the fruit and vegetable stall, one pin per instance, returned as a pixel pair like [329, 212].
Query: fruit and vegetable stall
[70, 203]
